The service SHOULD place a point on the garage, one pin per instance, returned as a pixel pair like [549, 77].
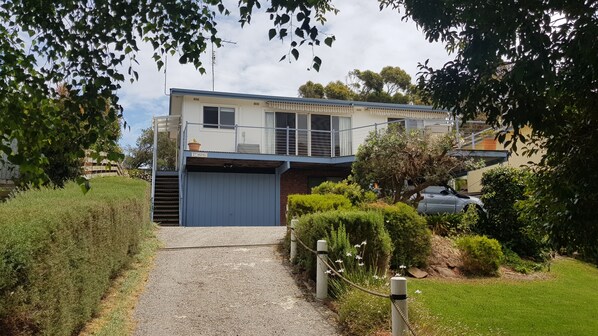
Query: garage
[230, 199]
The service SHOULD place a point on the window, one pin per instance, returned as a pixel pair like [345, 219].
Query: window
[218, 117]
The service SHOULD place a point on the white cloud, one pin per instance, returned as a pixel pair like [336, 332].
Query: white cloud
[366, 38]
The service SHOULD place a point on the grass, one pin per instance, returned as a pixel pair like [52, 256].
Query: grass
[115, 317]
[565, 303]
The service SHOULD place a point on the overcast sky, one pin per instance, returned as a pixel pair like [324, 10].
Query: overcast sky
[366, 39]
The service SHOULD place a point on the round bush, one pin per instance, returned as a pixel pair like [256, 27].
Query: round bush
[481, 255]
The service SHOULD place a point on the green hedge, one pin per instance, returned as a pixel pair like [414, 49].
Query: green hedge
[59, 250]
[351, 191]
[409, 233]
[300, 205]
[360, 226]
[481, 255]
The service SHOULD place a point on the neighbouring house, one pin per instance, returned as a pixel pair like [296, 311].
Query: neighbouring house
[255, 150]
[486, 141]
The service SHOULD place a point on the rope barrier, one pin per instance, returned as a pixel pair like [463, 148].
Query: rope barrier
[333, 270]
[403, 317]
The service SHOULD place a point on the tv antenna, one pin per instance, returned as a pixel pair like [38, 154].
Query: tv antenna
[214, 59]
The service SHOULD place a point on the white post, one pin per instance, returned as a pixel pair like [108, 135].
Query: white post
[398, 294]
[293, 239]
[321, 275]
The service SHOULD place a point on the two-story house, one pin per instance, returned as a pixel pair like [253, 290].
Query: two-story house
[256, 150]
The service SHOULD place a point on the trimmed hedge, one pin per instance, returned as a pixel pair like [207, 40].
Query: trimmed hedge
[409, 233]
[360, 226]
[352, 191]
[300, 205]
[59, 250]
[481, 255]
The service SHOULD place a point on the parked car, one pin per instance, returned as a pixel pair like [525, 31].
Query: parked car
[444, 199]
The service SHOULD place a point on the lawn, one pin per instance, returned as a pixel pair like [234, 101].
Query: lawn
[565, 303]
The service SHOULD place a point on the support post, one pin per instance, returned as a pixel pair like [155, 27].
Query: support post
[332, 144]
[236, 138]
[293, 240]
[321, 275]
[473, 141]
[398, 294]
[288, 133]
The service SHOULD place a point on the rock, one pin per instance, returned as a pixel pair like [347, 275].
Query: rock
[417, 273]
[445, 272]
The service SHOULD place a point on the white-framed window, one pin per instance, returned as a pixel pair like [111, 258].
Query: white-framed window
[218, 117]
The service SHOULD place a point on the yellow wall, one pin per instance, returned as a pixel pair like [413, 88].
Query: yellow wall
[516, 159]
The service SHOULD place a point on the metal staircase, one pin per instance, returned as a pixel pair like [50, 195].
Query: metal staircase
[166, 200]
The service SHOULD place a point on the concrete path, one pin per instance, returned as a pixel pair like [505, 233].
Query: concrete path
[226, 281]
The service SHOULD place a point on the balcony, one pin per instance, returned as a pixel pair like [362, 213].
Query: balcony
[282, 141]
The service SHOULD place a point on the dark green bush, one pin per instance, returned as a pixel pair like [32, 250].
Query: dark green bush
[481, 255]
[351, 191]
[59, 250]
[300, 205]
[502, 188]
[360, 226]
[408, 232]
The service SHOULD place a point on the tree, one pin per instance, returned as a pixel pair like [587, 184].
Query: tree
[311, 90]
[402, 164]
[91, 46]
[391, 85]
[527, 64]
[142, 154]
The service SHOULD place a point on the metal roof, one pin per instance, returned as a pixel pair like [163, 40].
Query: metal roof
[349, 103]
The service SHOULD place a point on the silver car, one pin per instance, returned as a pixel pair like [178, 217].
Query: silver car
[439, 199]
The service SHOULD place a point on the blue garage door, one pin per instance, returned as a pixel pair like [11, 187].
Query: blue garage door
[230, 199]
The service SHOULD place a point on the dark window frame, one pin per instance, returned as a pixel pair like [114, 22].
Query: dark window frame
[219, 111]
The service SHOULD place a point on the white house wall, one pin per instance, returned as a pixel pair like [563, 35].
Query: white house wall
[251, 113]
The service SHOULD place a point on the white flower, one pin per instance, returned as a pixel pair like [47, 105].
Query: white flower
[361, 264]
[341, 270]
[338, 261]
[417, 291]
[328, 272]
[376, 277]
[358, 257]
[357, 245]
[349, 254]
[364, 242]
[402, 267]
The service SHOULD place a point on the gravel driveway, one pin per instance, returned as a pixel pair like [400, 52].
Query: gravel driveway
[226, 281]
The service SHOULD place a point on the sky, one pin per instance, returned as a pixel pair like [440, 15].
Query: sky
[366, 39]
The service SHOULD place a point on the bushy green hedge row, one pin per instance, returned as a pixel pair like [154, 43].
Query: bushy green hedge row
[299, 205]
[411, 238]
[360, 226]
[59, 250]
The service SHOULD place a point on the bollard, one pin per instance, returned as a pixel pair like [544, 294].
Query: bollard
[293, 240]
[398, 294]
[321, 275]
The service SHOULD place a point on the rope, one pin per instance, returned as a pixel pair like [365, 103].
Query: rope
[352, 283]
[403, 317]
[333, 270]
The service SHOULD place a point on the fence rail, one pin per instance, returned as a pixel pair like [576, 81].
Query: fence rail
[398, 292]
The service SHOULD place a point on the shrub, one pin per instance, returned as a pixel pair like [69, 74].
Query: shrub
[59, 250]
[362, 313]
[503, 187]
[445, 224]
[300, 205]
[409, 234]
[481, 255]
[360, 226]
[512, 260]
[351, 191]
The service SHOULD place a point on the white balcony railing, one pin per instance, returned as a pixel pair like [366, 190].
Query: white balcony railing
[276, 140]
